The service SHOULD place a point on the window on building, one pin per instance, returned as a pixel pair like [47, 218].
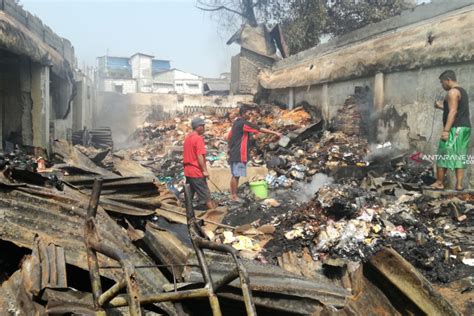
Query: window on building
[192, 85]
[119, 88]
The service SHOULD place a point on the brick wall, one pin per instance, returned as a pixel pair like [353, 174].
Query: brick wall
[248, 65]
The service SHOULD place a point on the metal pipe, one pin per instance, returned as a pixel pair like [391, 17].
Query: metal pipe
[94, 276]
[244, 278]
[90, 234]
[94, 200]
[153, 266]
[129, 272]
[245, 286]
[112, 292]
[229, 277]
[193, 233]
[93, 245]
[121, 301]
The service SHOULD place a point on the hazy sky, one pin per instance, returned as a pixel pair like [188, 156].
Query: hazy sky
[168, 29]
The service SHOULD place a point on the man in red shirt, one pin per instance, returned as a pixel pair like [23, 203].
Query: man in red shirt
[194, 160]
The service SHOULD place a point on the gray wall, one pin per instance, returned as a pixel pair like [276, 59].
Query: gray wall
[337, 94]
[412, 93]
[402, 99]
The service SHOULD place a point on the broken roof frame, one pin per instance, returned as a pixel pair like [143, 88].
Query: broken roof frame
[133, 299]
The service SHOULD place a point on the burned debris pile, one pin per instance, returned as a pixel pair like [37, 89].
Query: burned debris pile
[339, 216]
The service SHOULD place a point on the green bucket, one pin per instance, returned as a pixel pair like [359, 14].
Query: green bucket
[259, 188]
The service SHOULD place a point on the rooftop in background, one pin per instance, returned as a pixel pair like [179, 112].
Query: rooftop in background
[182, 71]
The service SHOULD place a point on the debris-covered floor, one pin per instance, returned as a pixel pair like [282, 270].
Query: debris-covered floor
[348, 227]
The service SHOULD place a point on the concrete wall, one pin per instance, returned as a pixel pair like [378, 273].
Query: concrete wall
[25, 102]
[10, 97]
[84, 102]
[411, 95]
[402, 95]
[37, 82]
[331, 95]
[32, 24]
[124, 113]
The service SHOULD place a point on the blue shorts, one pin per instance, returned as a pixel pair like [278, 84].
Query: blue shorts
[238, 169]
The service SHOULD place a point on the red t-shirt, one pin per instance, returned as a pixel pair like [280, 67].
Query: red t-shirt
[193, 146]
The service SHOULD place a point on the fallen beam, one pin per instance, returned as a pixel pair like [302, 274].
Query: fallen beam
[410, 282]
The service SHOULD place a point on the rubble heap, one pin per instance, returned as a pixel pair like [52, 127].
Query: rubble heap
[339, 216]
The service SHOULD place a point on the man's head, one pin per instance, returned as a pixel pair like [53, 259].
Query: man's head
[447, 79]
[197, 125]
[245, 111]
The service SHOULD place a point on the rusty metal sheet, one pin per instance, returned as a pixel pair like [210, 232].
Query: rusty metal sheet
[130, 168]
[45, 267]
[266, 280]
[15, 300]
[68, 301]
[166, 247]
[59, 217]
[136, 196]
[272, 286]
[74, 158]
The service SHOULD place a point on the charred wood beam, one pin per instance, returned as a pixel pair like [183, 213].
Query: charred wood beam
[412, 283]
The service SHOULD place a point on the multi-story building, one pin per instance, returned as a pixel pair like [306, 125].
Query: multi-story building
[129, 74]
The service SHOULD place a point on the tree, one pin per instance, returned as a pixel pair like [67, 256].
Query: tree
[307, 21]
[348, 15]
[304, 22]
[251, 12]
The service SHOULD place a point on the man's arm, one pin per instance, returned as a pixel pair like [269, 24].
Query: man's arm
[254, 129]
[268, 131]
[201, 156]
[453, 100]
[202, 163]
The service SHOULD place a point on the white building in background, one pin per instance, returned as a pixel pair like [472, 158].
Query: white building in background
[177, 81]
[142, 71]
[123, 86]
[128, 74]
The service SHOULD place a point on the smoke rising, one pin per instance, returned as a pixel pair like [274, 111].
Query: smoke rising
[305, 191]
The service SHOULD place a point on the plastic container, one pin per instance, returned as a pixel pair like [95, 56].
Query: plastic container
[259, 188]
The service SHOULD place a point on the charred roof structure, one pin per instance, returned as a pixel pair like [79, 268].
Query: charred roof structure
[38, 81]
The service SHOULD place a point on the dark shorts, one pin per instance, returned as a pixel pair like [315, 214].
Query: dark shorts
[238, 169]
[199, 186]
